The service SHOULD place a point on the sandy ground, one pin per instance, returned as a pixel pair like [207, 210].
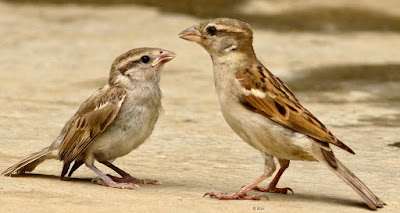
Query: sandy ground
[52, 57]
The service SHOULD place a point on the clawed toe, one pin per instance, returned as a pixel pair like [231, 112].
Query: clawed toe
[130, 179]
[113, 184]
[273, 190]
[289, 189]
[234, 196]
[148, 181]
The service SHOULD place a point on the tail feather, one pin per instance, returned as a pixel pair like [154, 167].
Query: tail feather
[29, 163]
[76, 165]
[345, 147]
[65, 169]
[348, 177]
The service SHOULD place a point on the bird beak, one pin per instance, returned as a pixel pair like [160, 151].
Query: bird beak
[164, 57]
[191, 34]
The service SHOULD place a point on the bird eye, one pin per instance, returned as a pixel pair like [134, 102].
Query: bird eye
[211, 30]
[145, 59]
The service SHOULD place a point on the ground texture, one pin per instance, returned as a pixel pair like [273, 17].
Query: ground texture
[343, 62]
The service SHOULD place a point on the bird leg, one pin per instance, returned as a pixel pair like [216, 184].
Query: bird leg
[107, 181]
[125, 177]
[269, 169]
[242, 193]
[272, 185]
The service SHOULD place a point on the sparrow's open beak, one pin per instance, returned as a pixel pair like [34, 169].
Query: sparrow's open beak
[191, 34]
[164, 57]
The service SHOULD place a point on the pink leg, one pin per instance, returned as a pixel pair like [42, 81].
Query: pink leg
[269, 169]
[272, 185]
[242, 193]
[127, 178]
[107, 181]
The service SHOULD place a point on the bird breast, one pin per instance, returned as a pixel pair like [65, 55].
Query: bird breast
[132, 126]
[257, 130]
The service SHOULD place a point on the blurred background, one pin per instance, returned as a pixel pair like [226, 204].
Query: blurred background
[341, 58]
[281, 15]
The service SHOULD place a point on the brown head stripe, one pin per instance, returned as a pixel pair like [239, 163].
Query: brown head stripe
[128, 66]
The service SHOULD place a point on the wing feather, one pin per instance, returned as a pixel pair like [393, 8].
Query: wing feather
[92, 118]
[268, 95]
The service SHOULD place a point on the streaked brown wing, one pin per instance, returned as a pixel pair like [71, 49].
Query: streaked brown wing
[268, 95]
[92, 118]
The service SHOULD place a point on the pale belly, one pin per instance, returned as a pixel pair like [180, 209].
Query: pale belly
[257, 130]
[125, 134]
[267, 136]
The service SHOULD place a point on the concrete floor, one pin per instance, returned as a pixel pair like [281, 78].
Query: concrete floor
[53, 57]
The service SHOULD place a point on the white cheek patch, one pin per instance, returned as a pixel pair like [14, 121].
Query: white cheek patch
[230, 48]
[123, 79]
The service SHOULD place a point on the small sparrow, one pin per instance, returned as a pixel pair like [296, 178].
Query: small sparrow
[115, 120]
[264, 112]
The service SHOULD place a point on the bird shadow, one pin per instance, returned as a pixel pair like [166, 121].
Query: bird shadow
[297, 197]
[335, 84]
[56, 177]
[380, 80]
[315, 19]
[301, 197]
[52, 177]
[395, 144]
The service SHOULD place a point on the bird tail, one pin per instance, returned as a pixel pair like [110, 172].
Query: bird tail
[29, 163]
[348, 177]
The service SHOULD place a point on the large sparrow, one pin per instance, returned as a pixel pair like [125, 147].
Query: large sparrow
[115, 120]
[263, 111]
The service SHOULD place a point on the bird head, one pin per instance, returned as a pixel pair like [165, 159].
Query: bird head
[221, 36]
[141, 64]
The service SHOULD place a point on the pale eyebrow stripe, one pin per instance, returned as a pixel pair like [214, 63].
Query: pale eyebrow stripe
[232, 29]
[127, 65]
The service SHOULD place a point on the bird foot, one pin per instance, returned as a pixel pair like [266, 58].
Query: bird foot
[147, 181]
[234, 196]
[273, 190]
[130, 179]
[113, 184]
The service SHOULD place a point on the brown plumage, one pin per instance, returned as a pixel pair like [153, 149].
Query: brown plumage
[92, 118]
[116, 119]
[281, 106]
[264, 112]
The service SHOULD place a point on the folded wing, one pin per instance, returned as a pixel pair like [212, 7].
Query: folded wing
[268, 95]
[92, 118]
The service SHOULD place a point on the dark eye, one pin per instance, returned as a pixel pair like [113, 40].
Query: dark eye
[211, 30]
[145, 59]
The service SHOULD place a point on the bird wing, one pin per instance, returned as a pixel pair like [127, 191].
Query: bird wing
[92, 118]
[264, 93]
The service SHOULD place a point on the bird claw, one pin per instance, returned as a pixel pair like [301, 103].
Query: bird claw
[148, 181]
[273, 190]
[234, 196]
[130, 179]
[113, 184]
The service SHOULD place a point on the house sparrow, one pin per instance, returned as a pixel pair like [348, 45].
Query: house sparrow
[115, 120]
[264, 112]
